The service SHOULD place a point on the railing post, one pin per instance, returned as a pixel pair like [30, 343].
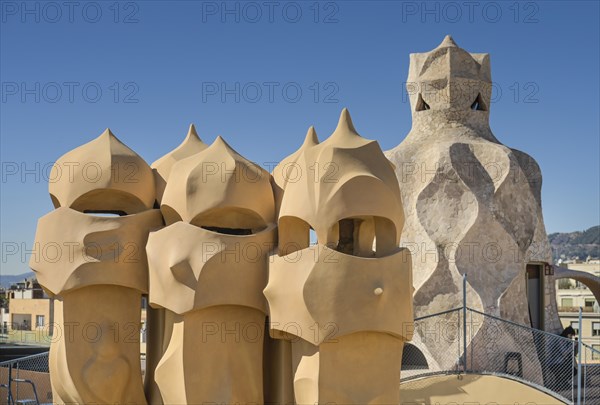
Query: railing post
[9, 399]
[465, 322]
[579, 358]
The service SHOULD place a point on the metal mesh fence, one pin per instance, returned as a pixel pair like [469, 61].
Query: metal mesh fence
[499, 347]
[590, 375]
[25, 380]
[436, 346]
[541, 359]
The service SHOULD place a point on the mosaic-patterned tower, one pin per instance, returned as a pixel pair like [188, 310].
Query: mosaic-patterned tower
[472, 205]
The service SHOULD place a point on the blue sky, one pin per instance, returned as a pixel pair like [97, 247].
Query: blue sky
[148, 69]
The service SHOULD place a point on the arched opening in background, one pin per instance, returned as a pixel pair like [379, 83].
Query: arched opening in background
[413, 358]
[572, 294]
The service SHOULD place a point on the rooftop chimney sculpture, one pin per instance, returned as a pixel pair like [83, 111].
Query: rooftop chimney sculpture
[99, 272]
[208, 268]
[230, 254]
[344, 301]
[159, 320]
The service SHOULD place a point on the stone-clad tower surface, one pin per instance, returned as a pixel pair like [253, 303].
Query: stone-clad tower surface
[344, 302]
[97, 270]
[472, 205]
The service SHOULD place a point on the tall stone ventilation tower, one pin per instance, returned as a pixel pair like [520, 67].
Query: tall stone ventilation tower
[472, 205]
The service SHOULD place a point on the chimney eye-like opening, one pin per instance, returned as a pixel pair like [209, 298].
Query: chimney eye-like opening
[350, 237]
[356, 236]
[421, 104]
[365, 236]
[228, 231]
[478, 104]
[106, 201]
[230, 221]
[105, 213]
[312, 237]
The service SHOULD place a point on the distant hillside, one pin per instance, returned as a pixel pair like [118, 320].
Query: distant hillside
[571, 244]
[6, 280]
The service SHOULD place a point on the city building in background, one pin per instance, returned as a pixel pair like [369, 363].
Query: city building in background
[572, 294]
[29, 307]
